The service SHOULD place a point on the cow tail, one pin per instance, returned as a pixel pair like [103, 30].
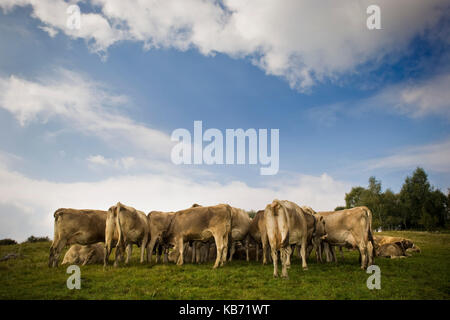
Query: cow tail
[369, 231]
[118, 225]
[57, 215]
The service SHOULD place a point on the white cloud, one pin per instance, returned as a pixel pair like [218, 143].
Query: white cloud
[52, 32]
[303, 41]
[82, 105]
[435, 157]
[122, 163]
[34, 201]
[417, 99]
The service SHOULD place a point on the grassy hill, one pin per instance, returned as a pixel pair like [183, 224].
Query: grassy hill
[425, 275]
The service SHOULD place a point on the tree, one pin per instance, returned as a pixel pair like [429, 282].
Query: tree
[353, 198]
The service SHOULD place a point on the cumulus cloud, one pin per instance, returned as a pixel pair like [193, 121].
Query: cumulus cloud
[32, 202]
[304, 41]
[82, 105]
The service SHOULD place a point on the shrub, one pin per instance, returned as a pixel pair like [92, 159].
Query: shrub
[7, 242]
[33, 239]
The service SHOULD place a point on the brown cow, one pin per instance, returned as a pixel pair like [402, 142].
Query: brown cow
[90, 254]
[74, 226]
[200, 223]
[159, 223]
[351, 228]
[393, 247]
[286, 225]
[258, 233]
[132, 227]
[316, 232]
[239, 230]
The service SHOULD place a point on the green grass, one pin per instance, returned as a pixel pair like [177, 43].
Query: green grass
[423, 276]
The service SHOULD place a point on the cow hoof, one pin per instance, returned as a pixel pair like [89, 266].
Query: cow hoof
[285, 277]
[305, 268]
[275, 276]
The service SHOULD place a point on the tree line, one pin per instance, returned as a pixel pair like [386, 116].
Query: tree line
[418, 205]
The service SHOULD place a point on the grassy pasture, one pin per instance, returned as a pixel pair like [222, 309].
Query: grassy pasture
[425, 275]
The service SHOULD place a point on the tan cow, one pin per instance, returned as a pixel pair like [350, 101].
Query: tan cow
[258, 233]
[286, 225]
[83, 255]
[202, 224]
[316, 232]
[239, 230]
[74, 226]
[159, 224]
[393, 247]
[132, 227]
[351, 228]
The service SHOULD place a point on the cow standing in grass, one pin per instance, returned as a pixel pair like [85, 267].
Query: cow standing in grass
[258, 234]
[351, 228]
[200, 224]
[131, 227]
[285, 225]
[239, 230]
[159, 223]
[74, 226]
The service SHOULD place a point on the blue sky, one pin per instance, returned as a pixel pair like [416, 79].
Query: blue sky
[85, 118]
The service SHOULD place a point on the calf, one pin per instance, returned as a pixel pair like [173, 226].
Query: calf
[83, 255]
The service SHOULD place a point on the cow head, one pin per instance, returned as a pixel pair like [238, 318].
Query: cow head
[321, 230]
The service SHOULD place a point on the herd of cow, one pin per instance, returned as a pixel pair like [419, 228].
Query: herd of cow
[200, 234]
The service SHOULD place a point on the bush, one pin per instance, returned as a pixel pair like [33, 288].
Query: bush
[7, 242]
[33, 239]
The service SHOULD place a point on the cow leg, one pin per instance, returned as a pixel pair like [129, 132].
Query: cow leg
[308, 250]
[265, 247]
[287, 260]
[225, 249]
[129, 252]
[275, 262]
[208, 247]
[150, 248]
[180, 261]
[333, 254]
[143, 247]
[55, 251]
[303, 254]
[194, 252]
[219, 249]
[246, 244]
[285, 254]
[363, 249]
[232, 251]
[342, 253]
[108, 249]
[318, 248]
[369, 253]
[257, 251]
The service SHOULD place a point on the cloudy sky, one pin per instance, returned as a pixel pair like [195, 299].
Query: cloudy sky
[86, 114]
